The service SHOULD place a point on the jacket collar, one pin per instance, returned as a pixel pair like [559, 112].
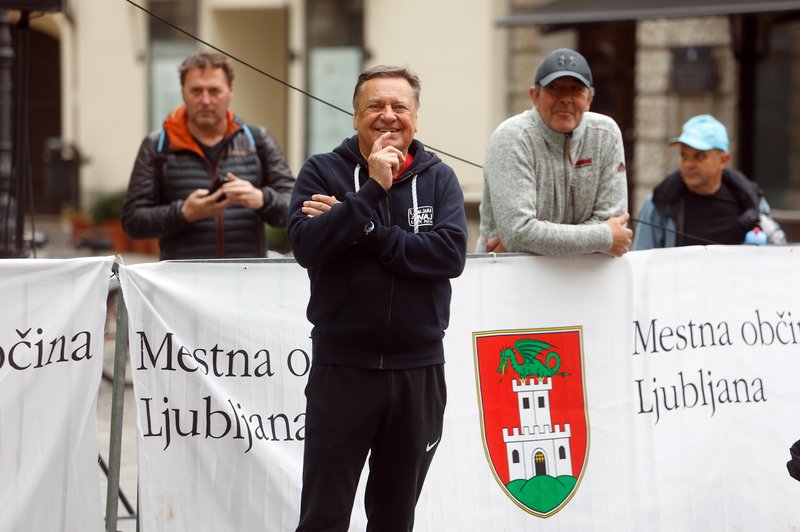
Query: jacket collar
[668, 195]
[180, 138]
[669, 191]
[423, 159]
[554, 138]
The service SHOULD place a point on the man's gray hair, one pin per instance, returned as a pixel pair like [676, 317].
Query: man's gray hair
[203, 60]
[389, 71]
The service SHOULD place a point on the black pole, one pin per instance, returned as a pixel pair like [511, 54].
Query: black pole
[22, 164]
[7, 205]
[122, 496]
[747, 93]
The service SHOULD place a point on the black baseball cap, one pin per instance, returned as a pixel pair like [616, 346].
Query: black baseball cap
[564, 62]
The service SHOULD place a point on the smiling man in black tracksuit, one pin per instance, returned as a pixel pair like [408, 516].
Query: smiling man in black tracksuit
[379, 223]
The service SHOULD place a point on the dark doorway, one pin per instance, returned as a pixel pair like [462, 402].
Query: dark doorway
[539, 464]
[44, 109]
[610, 49]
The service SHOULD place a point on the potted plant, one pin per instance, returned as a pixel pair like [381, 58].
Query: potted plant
[105, 211]
[276, 239]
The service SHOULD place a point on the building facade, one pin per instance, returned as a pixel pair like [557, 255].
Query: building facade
[117, 65]
[655, 66]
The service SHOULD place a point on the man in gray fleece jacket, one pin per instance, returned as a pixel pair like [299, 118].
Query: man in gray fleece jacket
[554, 176]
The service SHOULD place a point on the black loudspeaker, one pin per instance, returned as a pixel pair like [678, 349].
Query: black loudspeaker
[33, 5]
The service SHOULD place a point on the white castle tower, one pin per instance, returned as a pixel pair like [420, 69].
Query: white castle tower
[537, 447]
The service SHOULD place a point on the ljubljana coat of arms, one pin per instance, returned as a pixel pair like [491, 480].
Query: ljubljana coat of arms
[533, 413]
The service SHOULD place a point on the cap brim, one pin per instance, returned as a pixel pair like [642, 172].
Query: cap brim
[547, 80]
[697, 144]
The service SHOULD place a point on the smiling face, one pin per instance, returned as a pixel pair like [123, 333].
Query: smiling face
[381, 105]
[561, 104]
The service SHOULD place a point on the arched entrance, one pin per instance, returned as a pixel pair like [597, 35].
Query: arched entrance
[539, 464]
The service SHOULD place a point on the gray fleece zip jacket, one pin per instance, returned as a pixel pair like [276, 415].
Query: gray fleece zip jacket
[548, 193]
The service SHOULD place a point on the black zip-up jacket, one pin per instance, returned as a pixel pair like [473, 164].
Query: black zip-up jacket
[379, 299]
[164, 176]
[668, 197]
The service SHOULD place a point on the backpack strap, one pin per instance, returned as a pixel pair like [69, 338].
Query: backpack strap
[160, 161]
[254, 134]
[250, 135]
[163, 141]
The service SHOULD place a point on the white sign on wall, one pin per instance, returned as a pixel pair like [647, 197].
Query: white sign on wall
[332, 72]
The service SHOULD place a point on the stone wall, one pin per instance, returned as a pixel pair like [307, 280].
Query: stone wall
[659, 111]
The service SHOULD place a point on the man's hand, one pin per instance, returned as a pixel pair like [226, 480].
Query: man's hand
[621, 236]
[384, 162]
[243, 193]
[495, 245]
[200, 205]
[318, 204]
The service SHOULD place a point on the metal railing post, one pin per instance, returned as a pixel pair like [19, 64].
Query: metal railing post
[117, 402]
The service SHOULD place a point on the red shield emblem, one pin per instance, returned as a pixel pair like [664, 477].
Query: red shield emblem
[533, 413]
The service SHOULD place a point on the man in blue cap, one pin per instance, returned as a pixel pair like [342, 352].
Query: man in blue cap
[554, 176]
[704, 202]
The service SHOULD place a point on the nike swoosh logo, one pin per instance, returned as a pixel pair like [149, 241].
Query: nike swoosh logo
[431, 445]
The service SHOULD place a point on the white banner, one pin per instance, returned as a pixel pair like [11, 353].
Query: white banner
[51, 358]
[219, 354]
[650, 392]
[716, 360]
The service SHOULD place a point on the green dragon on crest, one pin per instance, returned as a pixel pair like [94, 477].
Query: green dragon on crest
[530, 365]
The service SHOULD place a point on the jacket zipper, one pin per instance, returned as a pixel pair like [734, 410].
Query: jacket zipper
[568, 199]
[212, 173]
[391, 285]
[220, 218]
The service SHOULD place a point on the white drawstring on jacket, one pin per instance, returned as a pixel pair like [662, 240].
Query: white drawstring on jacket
[357, 187]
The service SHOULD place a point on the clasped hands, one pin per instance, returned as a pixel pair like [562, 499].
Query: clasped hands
[621, 237]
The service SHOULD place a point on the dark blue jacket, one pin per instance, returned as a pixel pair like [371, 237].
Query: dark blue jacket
[379, 300]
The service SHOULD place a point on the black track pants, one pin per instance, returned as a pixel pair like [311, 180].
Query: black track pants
[394, 414]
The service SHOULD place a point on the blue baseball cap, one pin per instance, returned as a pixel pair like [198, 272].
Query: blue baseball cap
[563, 62]
[703, 132]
